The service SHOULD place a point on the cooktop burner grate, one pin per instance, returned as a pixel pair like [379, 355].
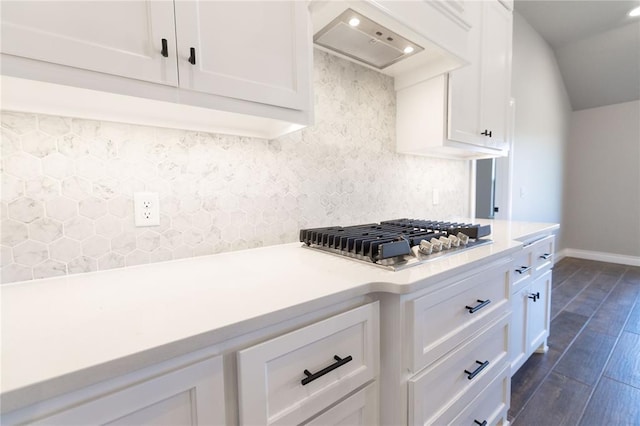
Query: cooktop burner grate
[395, 242]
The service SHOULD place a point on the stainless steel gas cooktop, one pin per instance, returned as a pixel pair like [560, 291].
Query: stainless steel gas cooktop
[397, 244]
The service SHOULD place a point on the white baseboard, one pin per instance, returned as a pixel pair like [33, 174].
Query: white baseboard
[599, 256]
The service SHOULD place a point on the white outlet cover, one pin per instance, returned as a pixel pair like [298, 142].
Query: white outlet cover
[146, 207]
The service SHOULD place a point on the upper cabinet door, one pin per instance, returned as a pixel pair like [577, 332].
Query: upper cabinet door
[496, 72]
[123, 38]
[258, 51]
[479, 93]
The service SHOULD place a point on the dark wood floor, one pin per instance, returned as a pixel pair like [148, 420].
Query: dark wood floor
[591, 373]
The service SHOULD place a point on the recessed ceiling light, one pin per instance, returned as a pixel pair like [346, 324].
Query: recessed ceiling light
[635, 12]
[354, 22]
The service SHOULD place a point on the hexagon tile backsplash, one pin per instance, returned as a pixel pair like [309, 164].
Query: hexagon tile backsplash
[68, 184]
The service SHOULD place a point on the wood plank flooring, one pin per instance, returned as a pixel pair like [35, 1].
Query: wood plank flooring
[591, 374]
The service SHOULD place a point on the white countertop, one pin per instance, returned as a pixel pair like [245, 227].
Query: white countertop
[66, 332]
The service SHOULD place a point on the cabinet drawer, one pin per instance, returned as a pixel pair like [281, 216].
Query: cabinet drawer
[542, 253]
[192, 394]
[522, 269]
[460, 375]
[332, 358]
[360, 409]
[490, 405]
[439, 321]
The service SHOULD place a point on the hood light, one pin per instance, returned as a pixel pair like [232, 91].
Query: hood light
[408, 50]
[354, 22]
[635, 12]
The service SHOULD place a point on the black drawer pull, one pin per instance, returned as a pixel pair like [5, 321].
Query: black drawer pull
[312, 376]
[545, 256]
[192, 56]
[534, 296]
[484, 423]
[474, 373]
[482, 304]
[165, 50]
[521, 270]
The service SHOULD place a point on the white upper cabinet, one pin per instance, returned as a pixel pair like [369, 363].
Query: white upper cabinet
[465, 114]
[123, 38]
[234, 67]
[479, 94]
[248, 50]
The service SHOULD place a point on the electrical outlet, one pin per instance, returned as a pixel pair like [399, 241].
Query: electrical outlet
[146, 206]
[436, 197]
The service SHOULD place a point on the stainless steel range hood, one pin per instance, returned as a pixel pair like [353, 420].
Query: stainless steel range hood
[358, 37]
[411, 40]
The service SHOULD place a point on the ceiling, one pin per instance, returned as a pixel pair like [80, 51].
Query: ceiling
[596, 44]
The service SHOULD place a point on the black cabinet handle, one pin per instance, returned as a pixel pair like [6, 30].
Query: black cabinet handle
[478, 422]
[165, 50]
[192, 56]
[535, 296]
[312, 376]
[474, 373]
[545, 256]
[486, 133]
[482, 304]
[521, 270]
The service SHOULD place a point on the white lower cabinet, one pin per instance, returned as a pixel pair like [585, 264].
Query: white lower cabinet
[288, 379]
[531, 280]
[187, 395]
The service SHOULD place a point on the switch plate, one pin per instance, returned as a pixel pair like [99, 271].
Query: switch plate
[146, 206]
[436, 197]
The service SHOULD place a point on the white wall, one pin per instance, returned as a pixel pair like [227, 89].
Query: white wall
[541, 131]
[602, 204]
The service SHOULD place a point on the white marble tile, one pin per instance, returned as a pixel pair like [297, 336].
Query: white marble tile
[137, 257]
[82, 264]
[43, 188]
[17, 122]
[45, 230]
[12, 188]
[95, 246]
[65, 249]
[13, 232]
[76, 188]
[108, 226]
[110, 261]
[53, 125]
[58, 166]
[124, 243]
[10, 142]
[38, 144]
[49, 268]
[61, 208]
[73, 146]
[30, 253]
[13, 273]
[22, 165]
[6, 256]
[26, 210]
[92, 207]
[148, 241]
[79, 228]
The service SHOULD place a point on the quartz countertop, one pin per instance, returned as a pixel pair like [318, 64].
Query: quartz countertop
[62, 333]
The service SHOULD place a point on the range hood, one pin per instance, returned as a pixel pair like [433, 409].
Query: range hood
[358, 37]
[411, 40]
